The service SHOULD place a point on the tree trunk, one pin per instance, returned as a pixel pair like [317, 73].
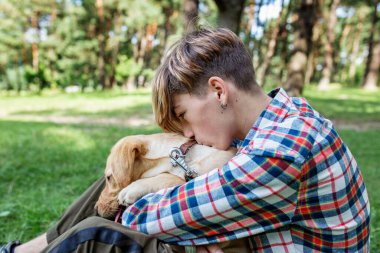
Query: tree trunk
[118, 22]
[314, 54]
[329, 47]
[355, 47]
[190, 15]
[250, 21]
[373, 59]
[343, 44]
[272, 45]
[371, 79]
[3, 71]
[18, 65]
[36, 27]
[101, 36]
[151, 30]
[304, 22]
[311, 63]
[230, 12]
[257, 49]
[284, 47]
[168, 12]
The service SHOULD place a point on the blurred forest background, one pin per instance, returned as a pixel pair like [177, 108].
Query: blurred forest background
[87, 45]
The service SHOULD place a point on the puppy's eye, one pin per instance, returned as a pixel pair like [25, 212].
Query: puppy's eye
[108, 178]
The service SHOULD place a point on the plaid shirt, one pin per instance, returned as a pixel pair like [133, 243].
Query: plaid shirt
[293, 186]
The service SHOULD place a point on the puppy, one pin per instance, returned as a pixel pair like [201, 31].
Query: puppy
[140, 164]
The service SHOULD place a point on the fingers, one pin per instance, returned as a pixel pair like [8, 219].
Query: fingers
[211, 248]
[214, 248]
[201, 249]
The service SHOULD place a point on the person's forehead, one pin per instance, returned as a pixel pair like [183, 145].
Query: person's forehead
[179, 99]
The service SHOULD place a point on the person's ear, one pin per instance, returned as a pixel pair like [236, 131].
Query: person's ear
[219, 88]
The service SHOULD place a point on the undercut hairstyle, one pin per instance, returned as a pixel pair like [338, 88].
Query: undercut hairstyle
[191, 61]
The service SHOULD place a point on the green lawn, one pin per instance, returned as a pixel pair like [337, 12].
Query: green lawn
[114, 104]
[350, 104]
[44, 165]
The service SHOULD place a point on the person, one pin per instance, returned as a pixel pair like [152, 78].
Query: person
[293, 185]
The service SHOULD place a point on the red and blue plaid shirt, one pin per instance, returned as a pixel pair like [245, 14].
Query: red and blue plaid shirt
[293, 186]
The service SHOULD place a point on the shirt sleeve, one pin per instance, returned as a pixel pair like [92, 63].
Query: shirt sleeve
[249, 195]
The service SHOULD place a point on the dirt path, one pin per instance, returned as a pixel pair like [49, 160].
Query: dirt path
[148, 120]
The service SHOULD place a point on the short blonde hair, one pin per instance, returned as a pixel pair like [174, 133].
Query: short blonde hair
[190, 62]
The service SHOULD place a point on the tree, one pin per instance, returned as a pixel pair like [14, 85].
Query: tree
[373, 58]
[304, 21]
[102, 37]
[12, 44]
[169, 9]
[230, 12]
[356, 41]
[249, 22]
[272, 45]
[329, 46]
[190, 10]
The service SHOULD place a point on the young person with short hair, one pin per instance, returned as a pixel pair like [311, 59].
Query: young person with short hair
[293, 185]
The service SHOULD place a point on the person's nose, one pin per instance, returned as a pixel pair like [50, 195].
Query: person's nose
[187, 131]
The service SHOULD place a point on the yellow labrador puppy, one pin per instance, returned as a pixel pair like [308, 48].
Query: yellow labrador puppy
[140, 164]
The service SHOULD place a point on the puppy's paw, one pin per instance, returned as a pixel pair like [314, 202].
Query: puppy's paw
[130, 194]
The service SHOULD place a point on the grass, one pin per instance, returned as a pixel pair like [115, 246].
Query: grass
[44, 166]
[365, 145]
[93, 105]
[349, 104]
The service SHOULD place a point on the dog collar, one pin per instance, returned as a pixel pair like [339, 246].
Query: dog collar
[178, 155]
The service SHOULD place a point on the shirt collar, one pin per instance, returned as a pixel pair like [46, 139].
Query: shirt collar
[275, 111]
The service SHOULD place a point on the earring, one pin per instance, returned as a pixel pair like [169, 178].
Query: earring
[223, 106]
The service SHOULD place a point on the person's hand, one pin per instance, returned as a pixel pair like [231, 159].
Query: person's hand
[210, 248]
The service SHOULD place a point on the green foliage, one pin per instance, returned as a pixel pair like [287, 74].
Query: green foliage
[140, 13]
[72, 38]
[38, 78]
[127, 67]
[51, 164]
[13, 79]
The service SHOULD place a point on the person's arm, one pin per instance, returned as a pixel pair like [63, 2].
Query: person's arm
[249, 195]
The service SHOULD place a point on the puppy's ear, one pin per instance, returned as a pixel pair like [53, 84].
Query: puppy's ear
[126, 156]
[134, 151]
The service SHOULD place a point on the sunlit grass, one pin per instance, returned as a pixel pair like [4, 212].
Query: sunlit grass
[108, 104]
[44, 167]
[349, 104]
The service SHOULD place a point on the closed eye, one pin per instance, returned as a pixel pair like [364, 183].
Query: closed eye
[181, 116]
